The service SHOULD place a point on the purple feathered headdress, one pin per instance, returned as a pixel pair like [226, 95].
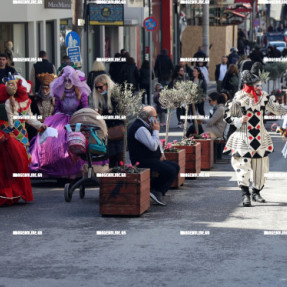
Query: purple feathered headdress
[77, 79]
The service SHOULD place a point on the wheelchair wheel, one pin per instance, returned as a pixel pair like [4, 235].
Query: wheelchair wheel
[68, 193]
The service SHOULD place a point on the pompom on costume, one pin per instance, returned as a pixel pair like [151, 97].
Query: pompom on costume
[52, 158]
[250, 144]
[14, 144]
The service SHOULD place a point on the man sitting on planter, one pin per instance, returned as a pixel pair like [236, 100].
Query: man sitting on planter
[145, 147]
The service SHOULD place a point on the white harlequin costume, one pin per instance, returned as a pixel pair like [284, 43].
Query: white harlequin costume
[250, 144]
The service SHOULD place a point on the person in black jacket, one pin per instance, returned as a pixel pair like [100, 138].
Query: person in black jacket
[130, 73]
[40, 67]
[4, 68]
[98, 69]
[115, 67]
[198, 79]
[146, 149]
[231, 80]
[220, 72]
[144, 80]
[163, 68]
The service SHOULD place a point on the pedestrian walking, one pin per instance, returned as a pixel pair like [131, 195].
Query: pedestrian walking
[163, 68]
[43, 66]
[130, 73]
[199, 55]
[231, 80]
[250, 144]
[160, 111]
[233, 56]
[198, 79]
[220, 71]
[115, 67]
[144, 81]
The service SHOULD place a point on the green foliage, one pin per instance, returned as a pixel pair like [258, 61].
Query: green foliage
[128, 103]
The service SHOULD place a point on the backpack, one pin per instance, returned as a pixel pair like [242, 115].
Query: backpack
[77, 143]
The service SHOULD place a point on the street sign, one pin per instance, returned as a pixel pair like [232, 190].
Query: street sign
[150, 23]
[256, 23]
[73, 39]
[74, 53]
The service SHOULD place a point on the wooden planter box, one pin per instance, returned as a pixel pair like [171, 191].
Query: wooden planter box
[192, 158]
[128, 195]
[179, 158]
[207, 153]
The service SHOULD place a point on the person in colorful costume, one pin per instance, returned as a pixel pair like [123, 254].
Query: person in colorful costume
[14, 144]
[52, 158]
[43, 104]
[250, 144]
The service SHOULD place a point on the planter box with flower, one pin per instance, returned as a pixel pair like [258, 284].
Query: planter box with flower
[178, 156]
[207, 150]
[129, 195]
[192, 156]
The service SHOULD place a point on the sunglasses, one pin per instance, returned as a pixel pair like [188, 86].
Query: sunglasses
[99, 87]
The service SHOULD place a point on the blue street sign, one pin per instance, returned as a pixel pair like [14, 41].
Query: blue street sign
[73, 39]
[256, 22]
[150, 23]
[74, 54]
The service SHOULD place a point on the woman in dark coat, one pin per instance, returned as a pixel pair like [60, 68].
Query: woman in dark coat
[231, 80]
[144, 80]
[130, 73]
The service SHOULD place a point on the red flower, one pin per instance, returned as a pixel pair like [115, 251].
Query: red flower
[137, 163]
[121, 163]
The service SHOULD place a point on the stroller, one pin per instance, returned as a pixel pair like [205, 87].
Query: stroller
[89, 123]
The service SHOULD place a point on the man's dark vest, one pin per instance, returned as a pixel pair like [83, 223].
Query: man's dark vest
[138, 151]
[42, 67]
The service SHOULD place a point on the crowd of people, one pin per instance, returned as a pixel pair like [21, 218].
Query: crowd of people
[55, 95]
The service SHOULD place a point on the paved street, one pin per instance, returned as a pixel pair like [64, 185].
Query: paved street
[152, 253]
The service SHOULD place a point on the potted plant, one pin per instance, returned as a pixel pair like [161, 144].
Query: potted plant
[128, 104]
[169, 99]
[189, 94]
[192, 156]
[207, 150]
[125, 195]
[178, 156]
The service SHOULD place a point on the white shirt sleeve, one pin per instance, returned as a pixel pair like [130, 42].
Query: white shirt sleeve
[152, 142]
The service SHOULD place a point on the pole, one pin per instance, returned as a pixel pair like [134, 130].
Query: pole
[150, 58]
[205, 38]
